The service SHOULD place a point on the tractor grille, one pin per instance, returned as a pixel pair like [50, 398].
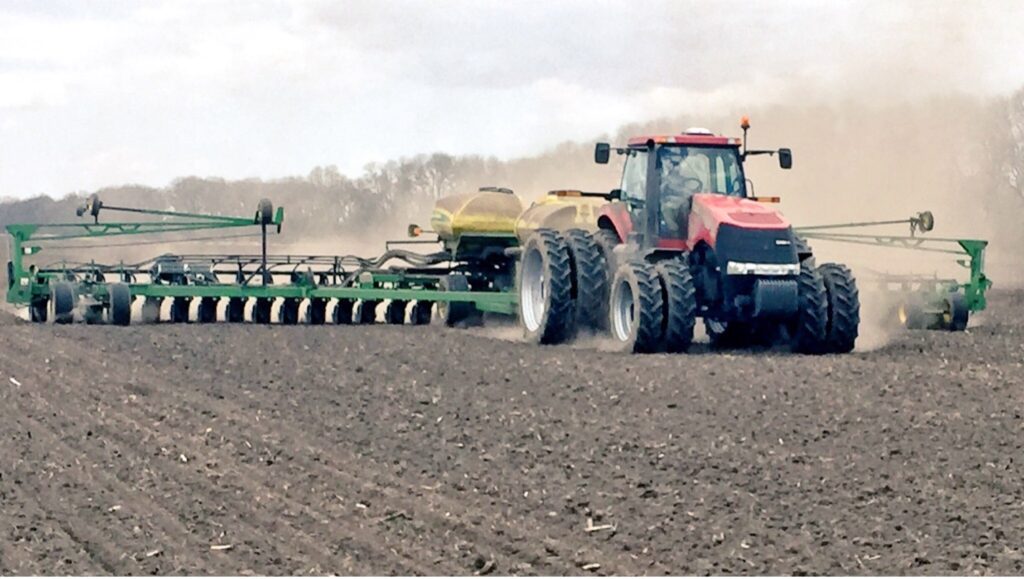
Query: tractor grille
[755, 245]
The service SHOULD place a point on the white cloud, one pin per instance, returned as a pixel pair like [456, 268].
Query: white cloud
[106, 92]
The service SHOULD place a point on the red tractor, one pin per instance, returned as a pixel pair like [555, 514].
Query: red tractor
[681, 238]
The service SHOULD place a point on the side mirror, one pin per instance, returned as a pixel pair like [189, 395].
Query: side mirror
[615, 195]
[601, 153]
[785, 158]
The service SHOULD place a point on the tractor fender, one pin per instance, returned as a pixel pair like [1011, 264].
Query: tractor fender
[618, 218]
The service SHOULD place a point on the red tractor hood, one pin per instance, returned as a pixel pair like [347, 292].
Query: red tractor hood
[710, 210]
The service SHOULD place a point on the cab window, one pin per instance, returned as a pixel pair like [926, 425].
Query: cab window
[634, 176]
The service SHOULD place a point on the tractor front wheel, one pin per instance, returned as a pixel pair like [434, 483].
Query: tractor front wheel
[808, 332]
[679, 302]
[637, 308]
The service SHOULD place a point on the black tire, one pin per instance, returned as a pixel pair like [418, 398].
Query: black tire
[62, 302]
[808, 329]
[39, 310]
[206, 313]
[607, 240]
[261, 311]
[343, 312]
[120, 308]
[316, 312]
[455, 313]
[366, 312]
[179, 310]
[395, 312]
[636, 309]
[679, 302]
[544, 286]
[151, 310]
[589, 279]
[265, 214]
[235, 312]
[956, 314]
[421, 313]
[843, 308]
[804, 252]
[288, 313]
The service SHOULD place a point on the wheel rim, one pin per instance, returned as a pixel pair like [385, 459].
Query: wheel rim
[622, 311]
[532, 290]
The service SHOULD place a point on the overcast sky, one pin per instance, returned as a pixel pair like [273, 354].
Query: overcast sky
[100, 93]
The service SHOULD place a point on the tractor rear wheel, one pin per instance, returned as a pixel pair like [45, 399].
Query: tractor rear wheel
[395, 312]
[956, 313]
[808, 330]
[316, 311]
[589, 279]
[843, 308]
[546, 309]
[62, 302]
[421, 313]
[120, 308]
[207, 311]
[343, 312]
[261, 310]
[151, 310]
[288, 314]
[679, 299]
[607, 240]
[235, 314]
[366, 312]
[636, 308]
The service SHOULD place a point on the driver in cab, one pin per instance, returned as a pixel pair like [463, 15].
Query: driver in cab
[679, 182]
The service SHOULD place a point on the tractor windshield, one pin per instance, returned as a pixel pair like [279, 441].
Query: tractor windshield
[686, 170]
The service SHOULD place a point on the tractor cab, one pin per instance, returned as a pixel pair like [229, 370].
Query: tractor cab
[663, 175]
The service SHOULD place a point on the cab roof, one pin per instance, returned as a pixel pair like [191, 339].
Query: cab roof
[685, 139]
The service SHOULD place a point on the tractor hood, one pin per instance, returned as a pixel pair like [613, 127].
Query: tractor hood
[711, 211]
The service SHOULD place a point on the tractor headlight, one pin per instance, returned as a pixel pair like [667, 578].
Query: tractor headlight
[741, 268]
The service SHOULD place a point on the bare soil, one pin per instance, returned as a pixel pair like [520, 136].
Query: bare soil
[237, 449]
